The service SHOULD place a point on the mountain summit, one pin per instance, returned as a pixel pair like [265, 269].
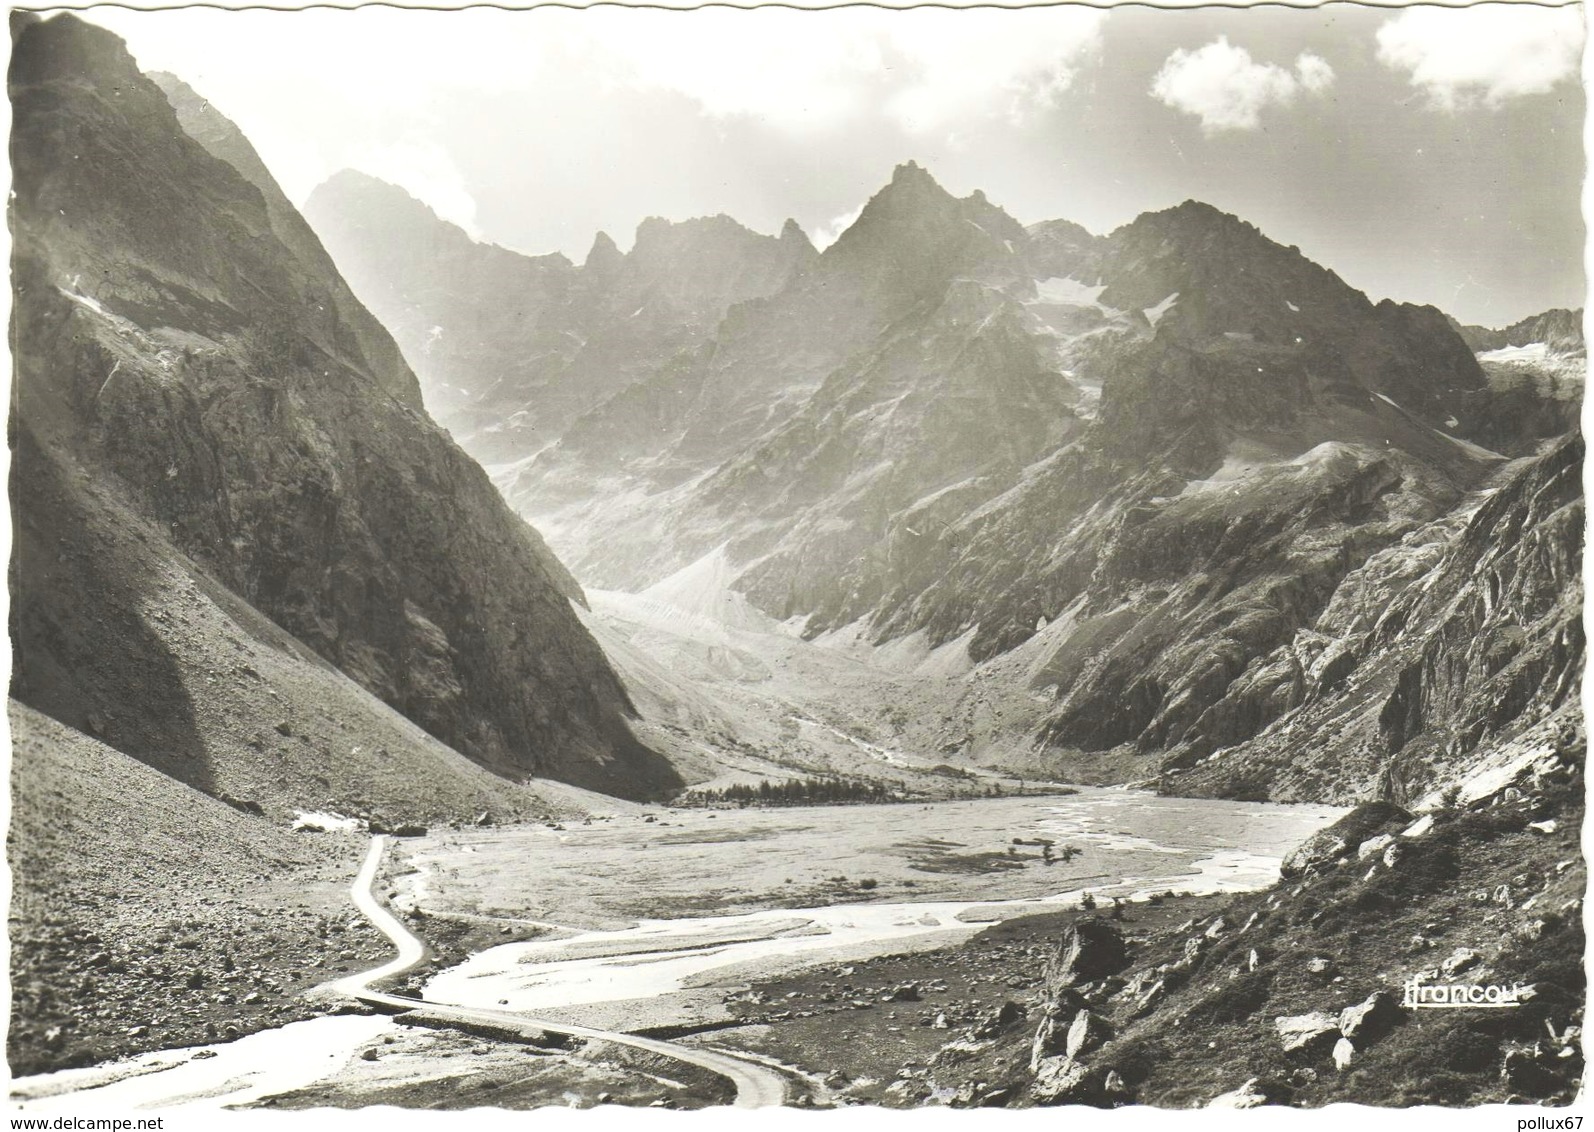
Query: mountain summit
[913, 236]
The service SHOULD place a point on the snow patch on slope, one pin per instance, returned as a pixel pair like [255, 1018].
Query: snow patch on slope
[911, 654]
[1476, 451]
[93, 304]
[700, 594]
[1064, 291]
[1154, 314]
[1532, 352]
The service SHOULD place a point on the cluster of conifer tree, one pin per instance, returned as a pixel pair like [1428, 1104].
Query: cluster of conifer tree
[794, 792]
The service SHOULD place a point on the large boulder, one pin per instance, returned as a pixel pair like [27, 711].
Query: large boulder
[1051, 1038]
[957, 1052]
[1062, 1080]
[1319, 851]
[1091, 949]
[1369, 1019]
[1420, 827]
[1329, 846]
[994, 1021]
[1151, 998]
[1304, 1032]
[1374, 845]
[1253, 1094]
[1088, 1032]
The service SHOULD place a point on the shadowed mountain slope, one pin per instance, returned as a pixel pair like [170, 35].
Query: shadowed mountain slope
[193, 373]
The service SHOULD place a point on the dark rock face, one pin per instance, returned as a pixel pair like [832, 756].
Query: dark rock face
[185, 348]
[1234, 284]
[1468, 631]
[1062, 249]
[353, 330]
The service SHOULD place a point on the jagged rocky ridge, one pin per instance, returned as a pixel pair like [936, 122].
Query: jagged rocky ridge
[1152, 468]
[200, 402]
[514, 347]
[1561, 330]
[1537, 369]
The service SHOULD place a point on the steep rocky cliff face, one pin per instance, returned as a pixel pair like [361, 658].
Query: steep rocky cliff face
[622, 484]
[1466, 632]
[199, 391]
[1226, 282]
[1439, 687]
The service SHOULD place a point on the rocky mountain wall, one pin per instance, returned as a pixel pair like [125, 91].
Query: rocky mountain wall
[168, 338]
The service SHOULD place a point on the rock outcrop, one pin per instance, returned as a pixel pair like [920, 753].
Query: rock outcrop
[1305, 1032]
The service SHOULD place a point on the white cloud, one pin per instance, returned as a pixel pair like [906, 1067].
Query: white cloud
[827, 234]
[963, 64]
[779, 66]
[1223, 86]
[923, 68]
[1314, 73]
[427, 173]
[322, 89]
[317, 88]
[1489, 53]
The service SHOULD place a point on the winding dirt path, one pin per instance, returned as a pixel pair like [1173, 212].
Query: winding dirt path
[756, 1086]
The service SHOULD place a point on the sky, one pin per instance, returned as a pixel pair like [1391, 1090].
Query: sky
[1426, 155]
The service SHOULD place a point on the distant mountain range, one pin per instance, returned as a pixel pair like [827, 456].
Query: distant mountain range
[517, 347]
[1139, 478]
[1560, 330]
